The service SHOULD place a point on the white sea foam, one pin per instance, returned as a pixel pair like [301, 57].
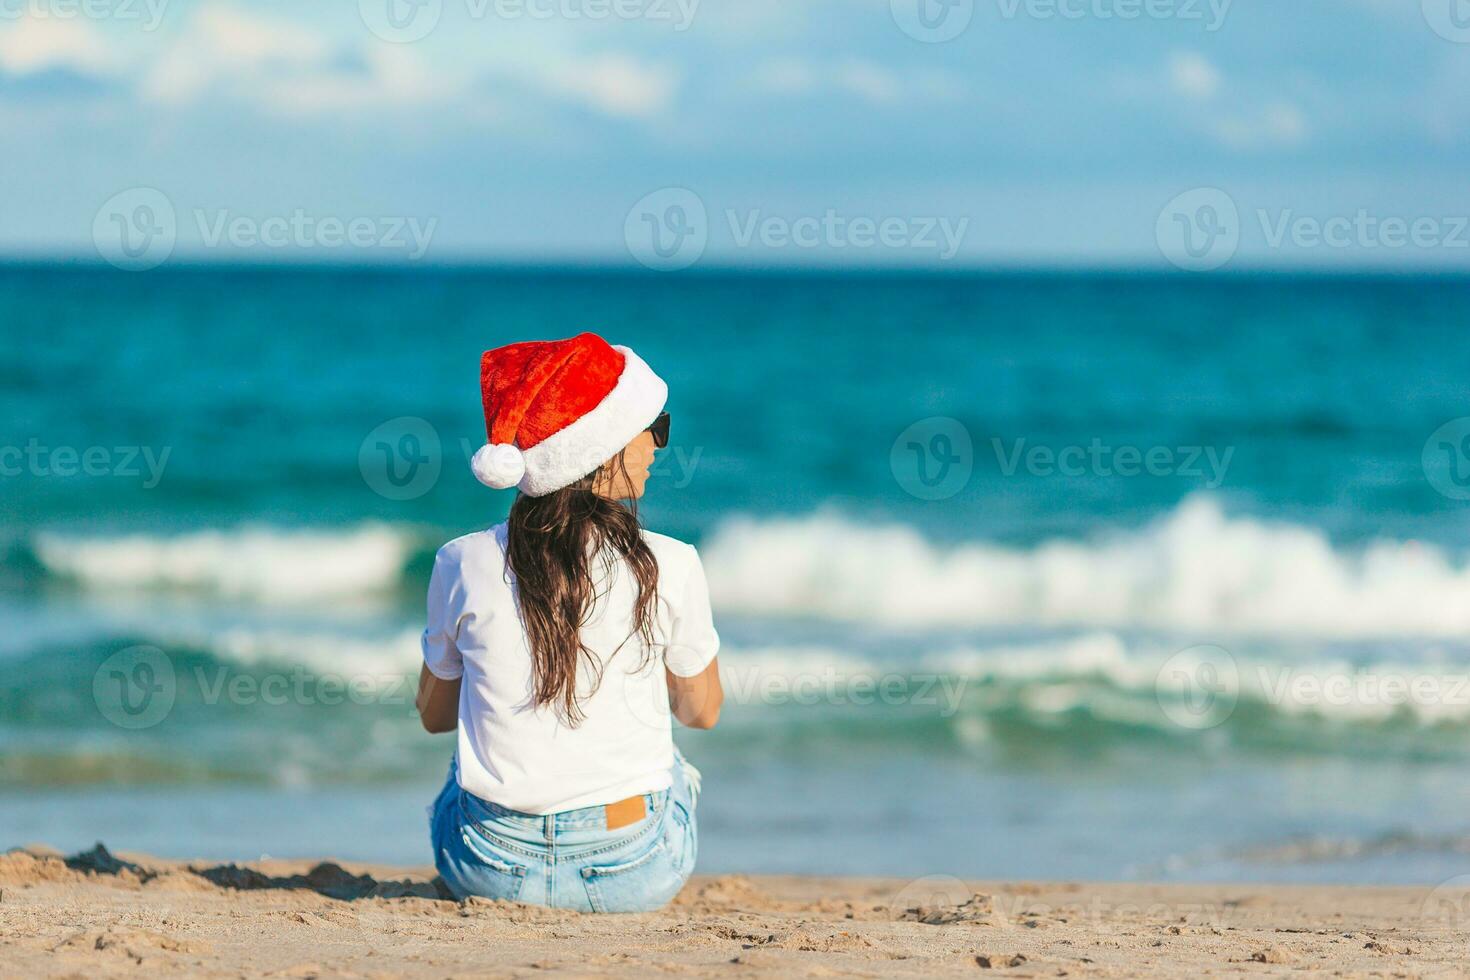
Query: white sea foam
[1104, 675]
[1120, 680]
[1194, 570]
[370, 658]
[264, 564]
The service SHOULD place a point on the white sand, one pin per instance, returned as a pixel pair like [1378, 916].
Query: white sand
[99, 916]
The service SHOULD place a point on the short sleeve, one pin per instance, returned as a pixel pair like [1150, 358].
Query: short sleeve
[446, 604]
[693, 642]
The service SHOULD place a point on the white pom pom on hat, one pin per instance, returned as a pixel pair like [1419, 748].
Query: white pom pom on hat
[556, 410]
[499, 467]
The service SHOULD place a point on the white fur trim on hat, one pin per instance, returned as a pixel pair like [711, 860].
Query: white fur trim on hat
[564, 457]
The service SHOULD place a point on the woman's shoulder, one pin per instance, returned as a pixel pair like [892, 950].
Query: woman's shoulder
[475, 549]
[670, 551]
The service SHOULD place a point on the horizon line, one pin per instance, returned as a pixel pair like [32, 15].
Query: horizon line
[714, 269]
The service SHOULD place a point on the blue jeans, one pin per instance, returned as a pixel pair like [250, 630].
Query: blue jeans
[567, 860]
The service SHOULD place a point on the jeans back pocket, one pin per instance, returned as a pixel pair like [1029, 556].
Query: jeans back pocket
[491, 874]
[646, 881]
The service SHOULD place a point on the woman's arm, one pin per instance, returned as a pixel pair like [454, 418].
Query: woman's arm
[438, 702]
[696, 700]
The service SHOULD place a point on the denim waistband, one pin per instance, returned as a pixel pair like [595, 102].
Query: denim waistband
[591, 817]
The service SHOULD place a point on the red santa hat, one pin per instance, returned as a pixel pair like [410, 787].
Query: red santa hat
[556, 410]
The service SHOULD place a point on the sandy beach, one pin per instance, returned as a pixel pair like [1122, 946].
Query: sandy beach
[100, 914]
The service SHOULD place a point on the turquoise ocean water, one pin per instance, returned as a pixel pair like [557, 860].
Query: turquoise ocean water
[1044, 576]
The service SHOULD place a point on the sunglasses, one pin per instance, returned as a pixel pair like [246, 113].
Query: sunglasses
[660, 430]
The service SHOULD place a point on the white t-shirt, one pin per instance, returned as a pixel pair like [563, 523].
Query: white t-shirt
[527, 758]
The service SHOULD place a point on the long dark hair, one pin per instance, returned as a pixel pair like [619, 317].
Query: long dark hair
[552, 541]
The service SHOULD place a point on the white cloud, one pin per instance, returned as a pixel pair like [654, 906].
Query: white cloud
[1286, 122]
[1277, 124]
[286, 67]
[222, 45]
[615, 84]
[1193, 75]
[788, 76]
[1246, 116]
[866, 80]
[32, 44]
[282, 66]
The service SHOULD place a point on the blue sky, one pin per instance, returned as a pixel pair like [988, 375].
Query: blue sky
[807, 131]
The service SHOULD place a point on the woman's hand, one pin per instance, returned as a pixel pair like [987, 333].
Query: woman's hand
[696, 700]
[438, 702]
